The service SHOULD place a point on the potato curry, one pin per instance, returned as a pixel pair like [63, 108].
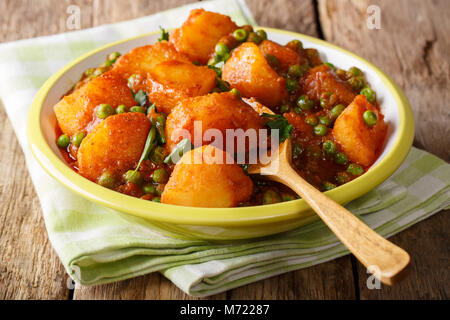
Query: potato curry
[119, 125]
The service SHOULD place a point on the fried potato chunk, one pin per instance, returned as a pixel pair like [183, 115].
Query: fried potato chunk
[75, 112]
[201, 180]
[218, 111]
[248, 71]
[115, 145]
[321, 80]
[142, 60]
[171, 81]
[285, 56]
[199, 34]
[360, 142]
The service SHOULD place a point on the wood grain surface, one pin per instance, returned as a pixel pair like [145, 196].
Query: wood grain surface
[412, 48]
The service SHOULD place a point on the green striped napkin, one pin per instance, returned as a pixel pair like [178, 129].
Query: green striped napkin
[98, 245]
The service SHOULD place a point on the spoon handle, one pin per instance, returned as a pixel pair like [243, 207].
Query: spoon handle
[381, 257]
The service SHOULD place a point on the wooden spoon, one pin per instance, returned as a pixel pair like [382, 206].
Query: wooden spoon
[382, 258]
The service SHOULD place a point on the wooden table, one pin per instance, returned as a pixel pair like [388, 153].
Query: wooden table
[412, 46]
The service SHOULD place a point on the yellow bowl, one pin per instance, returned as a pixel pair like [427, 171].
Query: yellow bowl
[220, 223]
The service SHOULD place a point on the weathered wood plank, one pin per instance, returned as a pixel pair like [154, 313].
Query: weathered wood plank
[330, 280]
[21, 19]
[29, 267]
[290, 15]
[413, 48]
[150, 287]
[429, 276]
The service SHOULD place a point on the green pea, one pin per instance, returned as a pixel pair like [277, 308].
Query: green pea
[340, 73]
[148, 188]
[156, 199]
[89, 72]
[97, 72]
[329, 147]
[291, 85]
[297, 150]
[312, 53]
[221, 49]
[63, 141]
[262, 34]
[342, 177]
[324, 120]
[356, 83]
[138, 109]
[355, 169]
[160, 176]
[270, 197]
[287, 197]
[296, 71]
[253, 37]
[131, 80]
[297, 44]
[320, 130]
[285, 108]
[77, 138]
[370, 95]
[107, 180]
[225, 57]
[213, 60]
[272, 60]
[304, 103]
[370, 118]
[323, 103]
[354, 72]
[104, 111]
[240, 34]
[106, 64]
[340, 158]
[121, 109]
[311, 120]
[328, 185]
[113, 56]
[158, 155]
[236, 92]
[337, 110]
[134, 177]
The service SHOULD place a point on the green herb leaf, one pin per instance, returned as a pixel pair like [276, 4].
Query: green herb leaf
[182, 147]
[141, 97]
[277, 121]
[151, 108]
[245, 167]
[164, 35]
[150, 144]
[223, 85]
[330, 65]
[160, 124]
[216, 69]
